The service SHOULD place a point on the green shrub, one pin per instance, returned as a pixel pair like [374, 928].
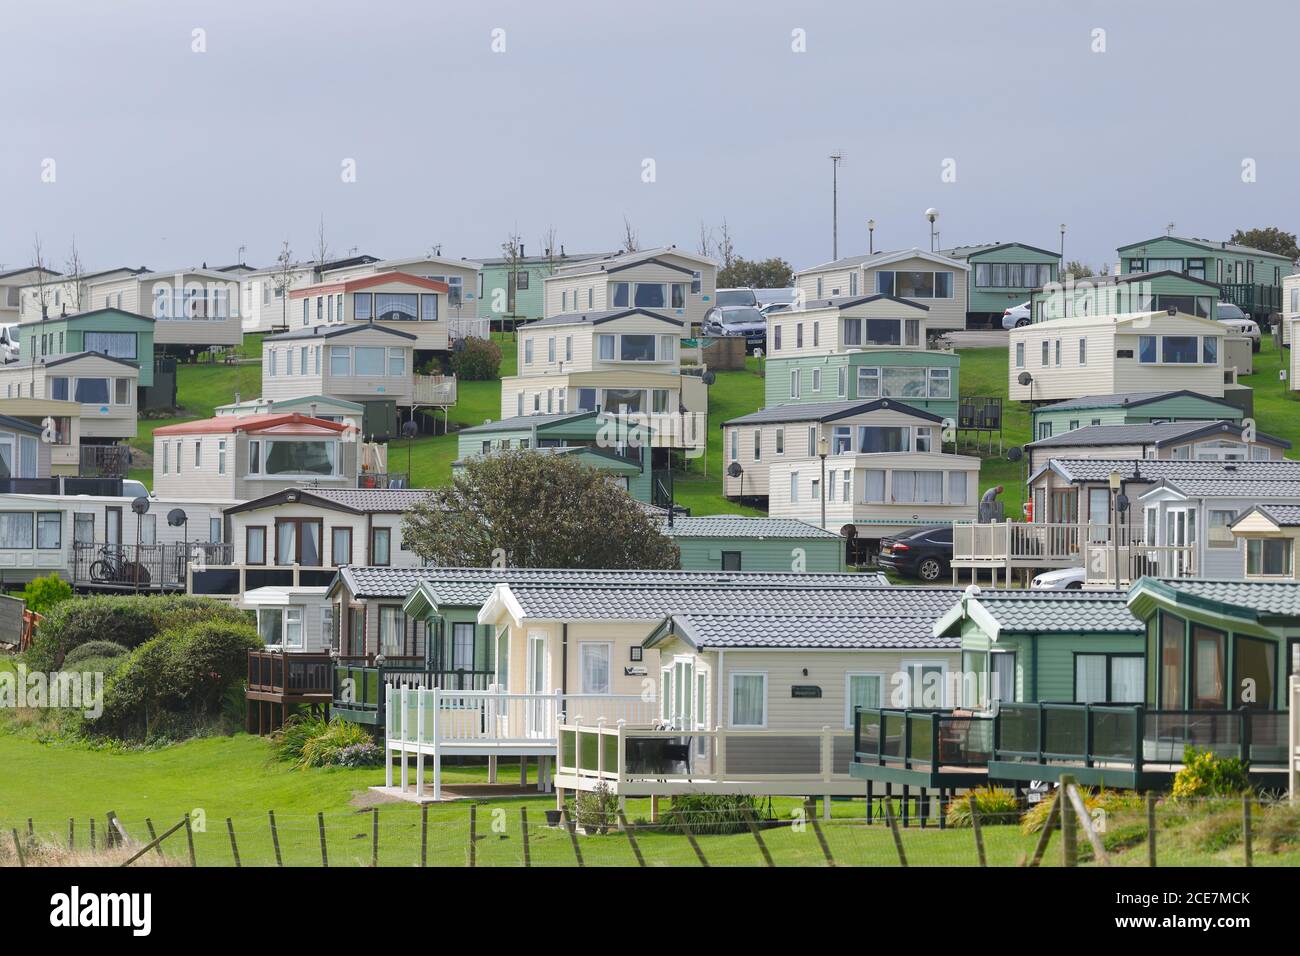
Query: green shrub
[176, 684]
[996, 805]
[478, 361]
[1109, 801]
[596, 811]
[42, 594]
[93, 649]
[707, 813]
[1205, 774]
[307, 741]
[129, 620]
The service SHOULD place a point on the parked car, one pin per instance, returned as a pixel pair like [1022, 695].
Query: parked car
[9, 343]
[1016, 316]
[776, 307]
[1234, 318]
[1065, 579]
[924, 553]
[738, 320]
[728, 297]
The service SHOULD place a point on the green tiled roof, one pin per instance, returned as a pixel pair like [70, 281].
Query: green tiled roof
[1256, 598]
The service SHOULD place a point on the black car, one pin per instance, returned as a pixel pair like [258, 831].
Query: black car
[924, 553]
[738, 320]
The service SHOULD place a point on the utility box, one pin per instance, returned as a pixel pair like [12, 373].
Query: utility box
[379, 421]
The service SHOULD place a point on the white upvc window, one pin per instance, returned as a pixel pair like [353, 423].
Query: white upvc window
[594, 662]
[794, 487]
[748, 699]
[862, 689]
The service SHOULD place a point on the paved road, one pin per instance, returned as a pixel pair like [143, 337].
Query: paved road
[978, 339]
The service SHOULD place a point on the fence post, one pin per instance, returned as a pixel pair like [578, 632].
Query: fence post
[324, 855]
[275, 838]
[18, 848]
[1246, 843]
[157, 843]
[631, 838]
[568, 824]
[1069, 837]
[1085, 824]
[424, 834]
[374, 836]
[979, 833]
[1151, 829]
[189, 837]
[473, 826]
[893, 827]
[92, 834]
[1053, 817]
[72, 828]
[234, 846]
[758, 837]
[148, 824]
[523, 827]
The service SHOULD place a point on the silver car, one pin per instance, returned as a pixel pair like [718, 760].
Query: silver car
[1237, 320]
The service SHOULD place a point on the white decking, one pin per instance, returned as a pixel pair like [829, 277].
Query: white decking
[643, 761]
[434, 723]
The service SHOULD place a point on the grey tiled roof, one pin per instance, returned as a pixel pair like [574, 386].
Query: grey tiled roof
[1062, 612]
[477, 583]
[740, 526]
[1151, 469]
[334, 331]
[824, 411]
[596, 318]
[387, 500]
[1145, 434]
[846, 301]
[596, 602]
[811, 631]
[1280, 598]
[1235, 488]
[1126, 399]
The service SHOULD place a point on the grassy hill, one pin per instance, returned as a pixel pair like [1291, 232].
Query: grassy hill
[201, 388]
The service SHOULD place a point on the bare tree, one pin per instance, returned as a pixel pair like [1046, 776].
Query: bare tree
[321, 257]
[550, 248]
[282, 279]
[75, 269]
[42, 287]
[513, 251]
[630, 241]
[706, 239]
[725, 247]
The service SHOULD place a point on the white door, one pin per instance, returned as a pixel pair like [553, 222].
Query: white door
[1180, 534]
[535, 686]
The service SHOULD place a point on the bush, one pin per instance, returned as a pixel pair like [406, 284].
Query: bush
[996, 805]
[127, 620]
[1108, 801]
[478, 361]
[176, 684]
[307, 741]
[42, 594]
[1204, 774]
[91, 650]
[706, 813]
[596, 810]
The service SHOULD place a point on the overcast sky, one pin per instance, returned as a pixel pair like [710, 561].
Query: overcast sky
[166, 157]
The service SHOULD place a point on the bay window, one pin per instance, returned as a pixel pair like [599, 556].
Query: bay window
[340, 360]
[918, 487]
[649, 295]
[369, 361]
[883, 332]
[880, 439]
[92, 391]
[300, 458]
[636, 348]
[618, 294]
[852, 334]
[623, 400]
[1178, 349]
[397, 307]
[605, 347]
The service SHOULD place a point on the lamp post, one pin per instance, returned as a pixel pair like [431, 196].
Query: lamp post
[823, 449]
[1062, 243]
[932, 215]
[871, 237]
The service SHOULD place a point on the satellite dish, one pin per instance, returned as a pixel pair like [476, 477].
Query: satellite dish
[410, 429]
[140, 505]
[1015, 453]
[849, 531]
[176, 517]
[734, 470]
[1024, 378]
[709, 378]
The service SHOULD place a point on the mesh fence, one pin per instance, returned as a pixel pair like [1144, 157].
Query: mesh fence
[1117, 831]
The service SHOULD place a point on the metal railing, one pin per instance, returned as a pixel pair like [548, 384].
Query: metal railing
[104, 461]
[1253, 297]
[153, 567]
[910, 738]
[1137, 560]
[1129, 735]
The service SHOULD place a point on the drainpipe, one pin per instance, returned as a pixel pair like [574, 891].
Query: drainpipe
[564, 659]
[1033, 663]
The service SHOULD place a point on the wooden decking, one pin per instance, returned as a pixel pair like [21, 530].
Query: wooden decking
[280, 680]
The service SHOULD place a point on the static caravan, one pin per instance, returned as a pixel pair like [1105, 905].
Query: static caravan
[403, 303]
[1131, 408]
[105, 388]
[1002, 275]
[1270, 533]
[935, 281]
[739, 543]
[514, 288]
[665, 280]
[1184, 441]
[1247, 277]
[1067, 358]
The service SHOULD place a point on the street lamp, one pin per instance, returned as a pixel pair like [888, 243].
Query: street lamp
[871, 237]
[1062, 243]
[823, 449]
[932, 214]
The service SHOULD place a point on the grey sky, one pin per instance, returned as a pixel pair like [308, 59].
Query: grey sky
[166, 157]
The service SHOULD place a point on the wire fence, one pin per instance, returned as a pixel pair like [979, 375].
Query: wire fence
[1115, 830]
